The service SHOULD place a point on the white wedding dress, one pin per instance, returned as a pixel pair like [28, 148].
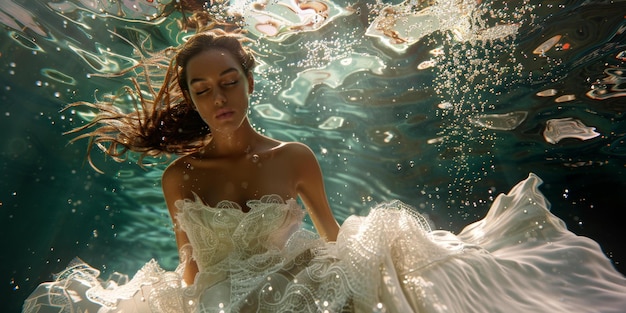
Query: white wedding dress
[519, 258]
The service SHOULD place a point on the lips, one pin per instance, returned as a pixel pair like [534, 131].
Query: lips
[224, 113]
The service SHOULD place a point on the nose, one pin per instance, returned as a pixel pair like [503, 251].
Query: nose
[220, 99]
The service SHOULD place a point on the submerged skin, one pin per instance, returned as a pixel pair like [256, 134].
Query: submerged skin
[238, 164]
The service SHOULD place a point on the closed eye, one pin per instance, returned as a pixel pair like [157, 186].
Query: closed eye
[202, 92]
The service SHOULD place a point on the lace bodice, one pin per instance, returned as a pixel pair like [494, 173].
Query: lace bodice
[225, 232]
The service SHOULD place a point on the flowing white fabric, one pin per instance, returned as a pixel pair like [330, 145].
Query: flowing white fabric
[519, 258]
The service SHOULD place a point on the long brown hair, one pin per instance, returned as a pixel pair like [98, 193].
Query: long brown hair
[163, 120]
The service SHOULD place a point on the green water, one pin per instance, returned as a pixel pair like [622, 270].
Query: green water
[382, 128]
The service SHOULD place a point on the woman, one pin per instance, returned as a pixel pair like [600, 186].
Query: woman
[231, 196]
[238, 164]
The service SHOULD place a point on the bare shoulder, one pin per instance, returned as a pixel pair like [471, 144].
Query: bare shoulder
[296, 149]
[174, 174]
[297, 153]
[302, 159]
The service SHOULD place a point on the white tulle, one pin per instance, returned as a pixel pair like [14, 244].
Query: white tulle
[519, 258]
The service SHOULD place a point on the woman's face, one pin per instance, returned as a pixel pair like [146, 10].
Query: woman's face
[219, 89]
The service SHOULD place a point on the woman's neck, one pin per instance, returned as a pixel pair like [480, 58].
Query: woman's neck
[240, 142]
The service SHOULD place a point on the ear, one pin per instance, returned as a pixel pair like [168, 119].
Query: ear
[250, 78]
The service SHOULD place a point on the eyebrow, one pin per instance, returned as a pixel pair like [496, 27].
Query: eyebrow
[229, 70]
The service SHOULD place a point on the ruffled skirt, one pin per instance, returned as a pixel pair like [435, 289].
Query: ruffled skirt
[519, 258]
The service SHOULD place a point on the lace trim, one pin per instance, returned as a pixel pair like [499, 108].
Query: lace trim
[228, 204]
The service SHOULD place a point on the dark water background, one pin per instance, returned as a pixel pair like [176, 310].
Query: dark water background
[380, 133]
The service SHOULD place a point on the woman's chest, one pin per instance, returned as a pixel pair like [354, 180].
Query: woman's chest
[242, 180]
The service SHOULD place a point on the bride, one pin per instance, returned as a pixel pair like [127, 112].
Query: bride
[233, 199]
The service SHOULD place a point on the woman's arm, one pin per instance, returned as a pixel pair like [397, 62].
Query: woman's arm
[310, 188]
[172, 182]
